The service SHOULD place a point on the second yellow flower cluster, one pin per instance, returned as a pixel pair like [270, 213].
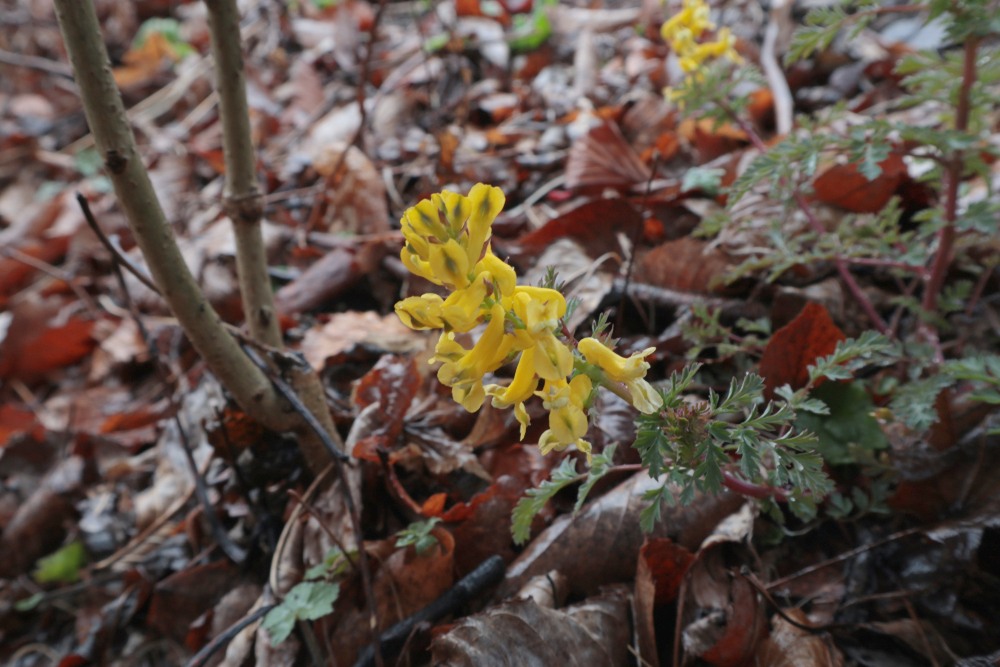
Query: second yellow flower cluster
[683, 30]
[447, 242]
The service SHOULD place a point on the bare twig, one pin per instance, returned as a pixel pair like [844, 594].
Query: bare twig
[778, 26]
[243, 200]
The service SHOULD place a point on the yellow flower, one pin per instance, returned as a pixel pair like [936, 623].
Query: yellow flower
[683, 30]
[463, 370]
[520, 389]
[421, 312]
[630, 371]
[566, 403]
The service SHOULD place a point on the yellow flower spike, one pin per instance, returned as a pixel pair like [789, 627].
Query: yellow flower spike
[421, 312]
[485, 203]
[450, 265]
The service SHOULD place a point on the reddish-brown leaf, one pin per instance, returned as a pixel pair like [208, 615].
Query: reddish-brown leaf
[595, 225]
[15, 420]
[391, 384]
[842, 185]
[38, 341]
[667, 562]
[797, 345]
[686, 264]
[604, 159]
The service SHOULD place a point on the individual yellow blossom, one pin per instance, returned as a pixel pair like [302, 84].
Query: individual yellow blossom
[566, 403]
[463, 370]
[630, 371]
[521, 388]
[421, 312]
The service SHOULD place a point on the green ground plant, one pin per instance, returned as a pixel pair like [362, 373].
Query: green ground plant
[764, 449]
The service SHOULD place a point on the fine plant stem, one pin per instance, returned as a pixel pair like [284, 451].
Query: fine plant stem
[243, 200]
[953, 178]
[842, 268]
[751, 490]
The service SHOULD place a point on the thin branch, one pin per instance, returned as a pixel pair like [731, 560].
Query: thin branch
[243, 200]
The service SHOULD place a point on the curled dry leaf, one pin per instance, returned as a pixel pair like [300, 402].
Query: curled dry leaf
[601, 544]
[686, 264]
[595, 632]
[604, 159]
[791, 646]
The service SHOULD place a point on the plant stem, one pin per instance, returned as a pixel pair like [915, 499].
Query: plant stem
[243, 200]
[953, 178]
[751, 490]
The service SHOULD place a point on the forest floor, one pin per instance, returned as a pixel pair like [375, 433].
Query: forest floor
[143, 515]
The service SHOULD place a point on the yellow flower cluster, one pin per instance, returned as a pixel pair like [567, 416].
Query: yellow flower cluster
[448, 243]
[683, 30]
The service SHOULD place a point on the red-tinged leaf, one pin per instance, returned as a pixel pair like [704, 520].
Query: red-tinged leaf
[796, 346]
[844, 186]
[595, 225]
[15, 273]
[184, 596]
[604, 159]
[38, 341]
[15, 420]
[743, 629]
[434, 505]
[403, 583]
[686, 264]
[761, 107]
[667, 563]
[391, 384]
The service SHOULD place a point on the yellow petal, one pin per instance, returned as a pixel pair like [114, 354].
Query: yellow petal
[501, 274]
[645, 398]
[455, 209]
[450, 264]
[462, 310]
[485, 203]
[553, 360]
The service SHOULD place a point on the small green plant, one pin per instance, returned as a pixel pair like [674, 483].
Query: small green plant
[418, 535]
[310, 599]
